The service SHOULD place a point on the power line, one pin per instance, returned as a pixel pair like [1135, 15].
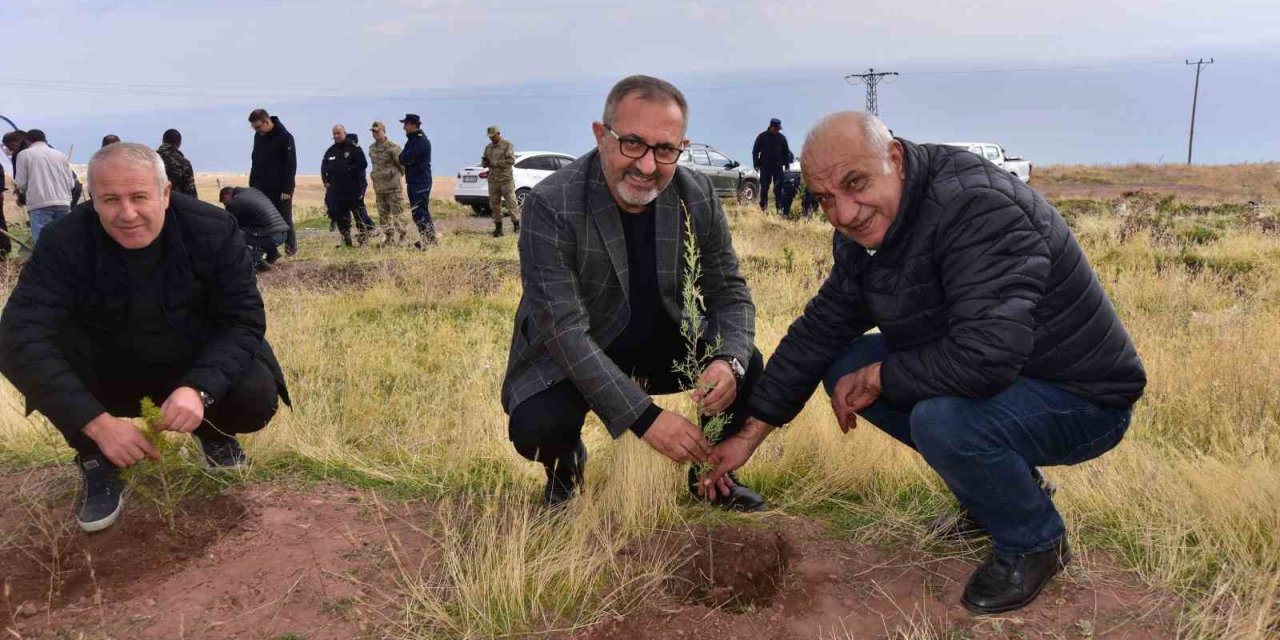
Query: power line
[872, 78]
[1195, 95]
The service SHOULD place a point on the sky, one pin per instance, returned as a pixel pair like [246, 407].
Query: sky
[1088, 81]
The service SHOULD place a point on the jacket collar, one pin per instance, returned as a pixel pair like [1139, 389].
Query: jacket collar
[916, 162]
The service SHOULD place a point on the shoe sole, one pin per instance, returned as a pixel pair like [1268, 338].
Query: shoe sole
[1062, 564]
[204, 460]
[99, 525]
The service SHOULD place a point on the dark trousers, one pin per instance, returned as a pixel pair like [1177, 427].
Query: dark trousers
[987, 449]
[420, 202]
[286, 211]
[548, 425]
[770, 175]
[120, 386]
[345, 206]
[5, 245]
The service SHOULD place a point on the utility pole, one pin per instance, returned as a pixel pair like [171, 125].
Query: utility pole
[872, 78]
[1194, 97]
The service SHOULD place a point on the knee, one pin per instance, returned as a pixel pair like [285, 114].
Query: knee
[943, 428]
[861, 352]
[251, 402]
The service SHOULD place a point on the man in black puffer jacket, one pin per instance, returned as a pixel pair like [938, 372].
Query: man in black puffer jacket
[263, 227]
[342, 171]
[998, 349]
[140, 293]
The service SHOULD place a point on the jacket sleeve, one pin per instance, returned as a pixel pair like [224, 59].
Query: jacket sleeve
[20, 170]
[409, 157]
[237, 322]
[994, 265]
[361, 162]
[755, 152]
[560, 320]
[426, 151]
[731, 314]
[324, 168]
[288, 183]
[38, 309]
[830, 320]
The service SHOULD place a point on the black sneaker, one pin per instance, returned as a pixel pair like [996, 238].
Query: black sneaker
[740, 498]
[102, 499]
[962, 526]
[221, 453]
[1006, 582]
[565, 476]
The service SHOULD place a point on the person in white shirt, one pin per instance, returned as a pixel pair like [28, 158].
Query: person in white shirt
[43, 175]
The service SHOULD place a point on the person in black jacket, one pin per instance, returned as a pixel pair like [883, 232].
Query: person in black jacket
[141, 293]
[416, 160]
[263, 226]
[998, 349]
[770, 155]
[275, 167]
[342, 171]
[5, 245]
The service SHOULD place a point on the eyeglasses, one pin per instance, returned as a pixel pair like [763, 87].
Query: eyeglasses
[636, 149]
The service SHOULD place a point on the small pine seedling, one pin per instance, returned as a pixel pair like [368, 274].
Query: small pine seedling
[163, 484]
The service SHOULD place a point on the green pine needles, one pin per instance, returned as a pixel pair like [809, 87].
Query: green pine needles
[165, 483]
[691, 366]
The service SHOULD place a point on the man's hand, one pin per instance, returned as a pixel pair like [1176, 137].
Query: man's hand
[855, 392]
[121, 442]
[183, 411]
[717, 388]
[288, 196]
[677, 438]
[730, 454]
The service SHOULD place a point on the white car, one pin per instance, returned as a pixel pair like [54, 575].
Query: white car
[995, 153]
[531, 168]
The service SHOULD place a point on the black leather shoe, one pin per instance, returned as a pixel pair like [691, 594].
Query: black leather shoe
[1006, 582]
[564, 476]
[962, 526]
[102, 499]
[740, 498]
[221, 452]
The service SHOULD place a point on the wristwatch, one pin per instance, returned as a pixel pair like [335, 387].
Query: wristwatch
[204, 397]
[735, 366]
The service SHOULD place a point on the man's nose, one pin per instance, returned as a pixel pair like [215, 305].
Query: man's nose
[647, 163]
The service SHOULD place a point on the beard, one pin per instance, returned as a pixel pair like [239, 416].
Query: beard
[638, 197]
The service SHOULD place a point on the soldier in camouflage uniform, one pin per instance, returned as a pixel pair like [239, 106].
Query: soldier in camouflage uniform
[499, 157]
[388, 184]
[176, 165]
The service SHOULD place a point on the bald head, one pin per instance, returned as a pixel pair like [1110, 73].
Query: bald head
[851, 129]
[339, 134]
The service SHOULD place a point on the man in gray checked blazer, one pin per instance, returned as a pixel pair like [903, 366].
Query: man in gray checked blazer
[601, 260]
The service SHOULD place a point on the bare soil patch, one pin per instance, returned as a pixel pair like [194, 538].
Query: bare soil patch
[257, 562]
[839, 589]
[321, 275]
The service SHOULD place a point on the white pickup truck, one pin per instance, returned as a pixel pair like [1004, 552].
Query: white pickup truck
[995, 153]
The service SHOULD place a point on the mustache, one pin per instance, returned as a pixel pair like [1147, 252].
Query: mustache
[633, 171]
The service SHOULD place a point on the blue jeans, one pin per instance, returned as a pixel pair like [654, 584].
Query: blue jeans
[42, 217]
[987, 449]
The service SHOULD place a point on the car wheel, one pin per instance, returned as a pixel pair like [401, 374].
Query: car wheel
[520, 196]
[749, 193]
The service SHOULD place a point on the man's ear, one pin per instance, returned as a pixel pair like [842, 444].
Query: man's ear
[895, 158]
[597, 130]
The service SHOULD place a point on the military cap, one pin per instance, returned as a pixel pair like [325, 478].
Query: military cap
[377, 126]
[493, 128]
[774, 122]
[411, 117]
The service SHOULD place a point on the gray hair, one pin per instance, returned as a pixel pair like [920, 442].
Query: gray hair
[132, 152]
[646, 88]
[875, 135]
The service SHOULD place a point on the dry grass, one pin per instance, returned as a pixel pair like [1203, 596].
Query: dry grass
[396, 383]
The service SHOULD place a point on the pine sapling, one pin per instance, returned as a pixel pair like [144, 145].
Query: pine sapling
[695, 360]
[166, 482]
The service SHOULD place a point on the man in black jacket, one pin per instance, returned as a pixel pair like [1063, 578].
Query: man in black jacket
[998, 349]
[275, 166]
[263, 227]
[770, 155]
[342, 172]
[141, 293]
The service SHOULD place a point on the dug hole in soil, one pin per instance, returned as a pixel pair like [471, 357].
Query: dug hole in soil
[255, 562]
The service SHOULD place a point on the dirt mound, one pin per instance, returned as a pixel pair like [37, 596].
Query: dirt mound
[317, 275]
[834, 588]
[257, 562]
[731, 567]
